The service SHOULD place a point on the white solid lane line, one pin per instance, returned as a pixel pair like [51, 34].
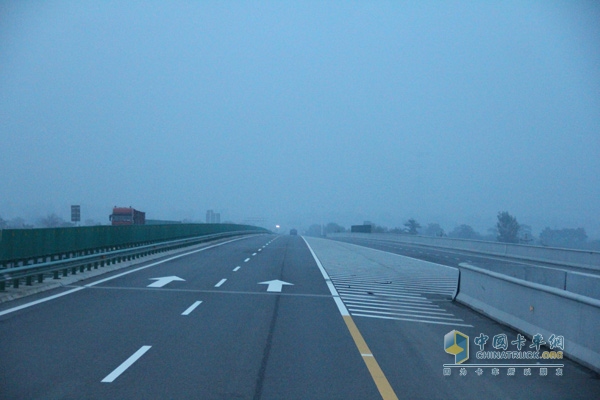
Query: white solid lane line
[236, 269]
[191, 308]
[121, 368]
[332, 290]
[40, 301]
[222, 281]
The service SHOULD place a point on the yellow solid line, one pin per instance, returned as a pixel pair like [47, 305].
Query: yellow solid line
[385, 390]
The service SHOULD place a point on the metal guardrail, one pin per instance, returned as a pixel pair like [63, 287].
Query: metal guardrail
[21, 247]
[56, 269]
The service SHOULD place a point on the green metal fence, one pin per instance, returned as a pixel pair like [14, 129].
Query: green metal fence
[25, 244]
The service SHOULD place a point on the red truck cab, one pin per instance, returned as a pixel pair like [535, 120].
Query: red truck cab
[127, 216]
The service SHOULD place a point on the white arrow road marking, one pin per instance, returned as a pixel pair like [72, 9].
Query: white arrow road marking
[191, 308]
[275, 285]
[164, 280]
[121, 368]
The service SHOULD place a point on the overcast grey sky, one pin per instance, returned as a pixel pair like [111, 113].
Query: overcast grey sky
[303, 112]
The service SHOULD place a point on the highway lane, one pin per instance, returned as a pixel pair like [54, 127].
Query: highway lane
[239, 342]
[218, 334]
[454, 257]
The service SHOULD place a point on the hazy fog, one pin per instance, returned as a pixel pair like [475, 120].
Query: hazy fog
[303, 112]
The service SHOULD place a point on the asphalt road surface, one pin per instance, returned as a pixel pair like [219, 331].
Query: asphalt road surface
[260, 318]
[453, 258]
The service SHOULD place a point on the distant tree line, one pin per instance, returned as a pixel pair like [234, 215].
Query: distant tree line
[565, 237]
[15, 223]
[506, 230]
[49, 221]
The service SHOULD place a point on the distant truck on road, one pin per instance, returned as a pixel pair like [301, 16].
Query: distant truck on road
[293, 232]
[127, 216]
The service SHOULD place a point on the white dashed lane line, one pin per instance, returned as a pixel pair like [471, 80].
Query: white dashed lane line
[191, 308]
[222, 281]
[126, 364]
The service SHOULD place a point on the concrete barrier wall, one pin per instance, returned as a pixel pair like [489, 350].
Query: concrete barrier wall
[531, 308]
[583, 284]
[530, 299]
[555, 278]
[574, 258]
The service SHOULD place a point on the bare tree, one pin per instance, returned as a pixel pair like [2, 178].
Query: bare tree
[51, 221]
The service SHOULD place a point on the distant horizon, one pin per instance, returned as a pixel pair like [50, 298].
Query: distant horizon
[286, 226]
[295, 113]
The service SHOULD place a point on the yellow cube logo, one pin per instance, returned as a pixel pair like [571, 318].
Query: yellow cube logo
[457, 344]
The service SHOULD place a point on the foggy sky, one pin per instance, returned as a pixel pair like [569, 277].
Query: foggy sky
[303, 112]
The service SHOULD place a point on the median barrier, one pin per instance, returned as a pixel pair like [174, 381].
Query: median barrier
[555, 278]
[532, 308]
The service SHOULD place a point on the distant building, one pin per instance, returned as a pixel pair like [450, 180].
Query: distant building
[213, 217]
[366, 228]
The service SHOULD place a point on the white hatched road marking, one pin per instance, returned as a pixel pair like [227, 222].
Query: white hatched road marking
[403, 296]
